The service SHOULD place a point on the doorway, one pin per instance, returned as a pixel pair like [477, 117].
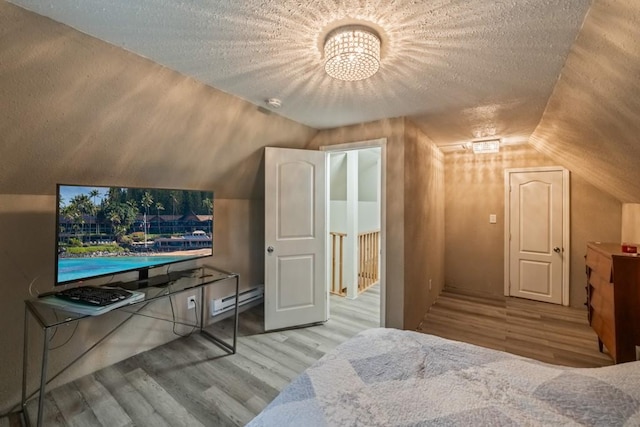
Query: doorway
[356, 200]
[296, 213]
[537, 251]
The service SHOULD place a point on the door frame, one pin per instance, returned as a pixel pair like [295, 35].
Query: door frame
[359, 145]
[566, 224]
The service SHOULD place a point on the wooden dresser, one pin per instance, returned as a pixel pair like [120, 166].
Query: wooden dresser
[613, 299]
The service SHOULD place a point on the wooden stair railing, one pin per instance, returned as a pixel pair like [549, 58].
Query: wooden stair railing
[337, 258]
[368, 255]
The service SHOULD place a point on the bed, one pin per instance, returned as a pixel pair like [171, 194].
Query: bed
[388, 377]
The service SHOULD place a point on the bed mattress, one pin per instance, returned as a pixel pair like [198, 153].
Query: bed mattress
[388, 377]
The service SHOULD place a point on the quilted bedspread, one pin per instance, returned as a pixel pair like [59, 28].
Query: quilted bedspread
[388, 377]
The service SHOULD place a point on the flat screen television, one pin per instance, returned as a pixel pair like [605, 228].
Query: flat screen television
[104, 231]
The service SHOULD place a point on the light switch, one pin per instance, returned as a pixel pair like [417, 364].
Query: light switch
[492, 219]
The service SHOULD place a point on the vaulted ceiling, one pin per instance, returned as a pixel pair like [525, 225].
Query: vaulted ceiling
[462, 69]
[561, 74]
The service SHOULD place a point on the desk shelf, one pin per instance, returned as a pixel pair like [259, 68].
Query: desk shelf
[48, 317]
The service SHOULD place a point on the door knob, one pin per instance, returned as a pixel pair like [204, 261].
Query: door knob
[557, 250]
[270, 249]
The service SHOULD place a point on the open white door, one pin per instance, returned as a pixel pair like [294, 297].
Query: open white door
[538, 213]
[296, 290]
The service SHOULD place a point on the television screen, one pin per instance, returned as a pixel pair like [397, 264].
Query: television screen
[102, 231]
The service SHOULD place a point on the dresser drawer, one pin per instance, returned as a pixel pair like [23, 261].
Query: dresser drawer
[592, 258]
[604, 329]
[601, 285]
[602, 303]
[599, 264]
[613, 298]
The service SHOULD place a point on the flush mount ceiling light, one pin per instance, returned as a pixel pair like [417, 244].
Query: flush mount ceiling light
[490, 146]
[352, 53]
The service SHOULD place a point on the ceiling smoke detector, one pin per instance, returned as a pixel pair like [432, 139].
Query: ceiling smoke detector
[274, 103]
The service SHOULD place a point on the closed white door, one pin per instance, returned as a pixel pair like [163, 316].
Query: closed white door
[296, 290]
[536, 252]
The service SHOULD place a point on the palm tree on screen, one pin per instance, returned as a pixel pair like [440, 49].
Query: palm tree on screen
[159, 207]
[147, 201]
[173, 194]
[80, 205]
[94, 208]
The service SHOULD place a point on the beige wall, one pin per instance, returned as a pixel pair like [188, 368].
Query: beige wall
[630, 223]
[474, 248]
[592, 119]
[595, 217]
[78, 110]
[414, 171]
[424, 224]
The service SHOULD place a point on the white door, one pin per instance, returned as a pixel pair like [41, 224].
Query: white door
[536, 220]
[296, 290]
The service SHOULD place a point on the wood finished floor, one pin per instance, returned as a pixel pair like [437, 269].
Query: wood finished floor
[191, 382]
[546, 332]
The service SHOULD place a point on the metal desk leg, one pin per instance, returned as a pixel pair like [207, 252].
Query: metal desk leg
[43, 373]
[235, 320]
[25, 357]
[230, 348]
[202, 304]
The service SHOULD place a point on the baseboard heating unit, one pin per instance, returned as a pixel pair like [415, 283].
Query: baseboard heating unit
[221, 305]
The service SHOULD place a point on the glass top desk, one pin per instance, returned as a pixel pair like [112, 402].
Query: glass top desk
[49, 313]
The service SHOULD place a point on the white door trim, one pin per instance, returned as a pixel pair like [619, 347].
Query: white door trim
[382, 143]
[566, 224]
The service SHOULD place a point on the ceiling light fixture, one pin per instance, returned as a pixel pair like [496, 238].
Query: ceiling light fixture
[489, 146]
[352, 53]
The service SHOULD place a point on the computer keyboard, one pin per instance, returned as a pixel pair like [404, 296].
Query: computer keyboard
[94, 296]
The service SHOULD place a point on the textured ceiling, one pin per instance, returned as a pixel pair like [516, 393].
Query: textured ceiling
[462, 69]
[592, 121]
